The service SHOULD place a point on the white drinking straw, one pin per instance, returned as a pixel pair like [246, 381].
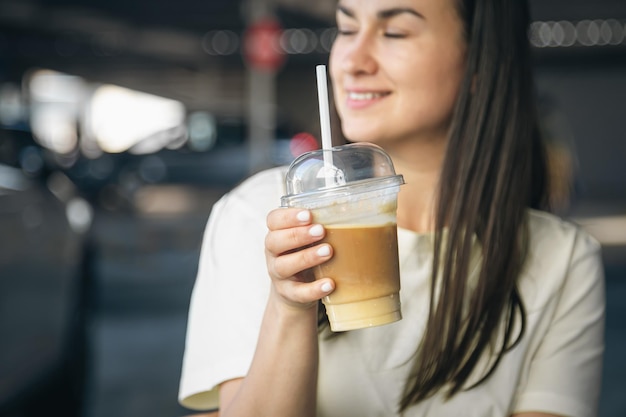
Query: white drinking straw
[322, 93]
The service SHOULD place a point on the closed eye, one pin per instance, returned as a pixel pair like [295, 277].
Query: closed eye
[345, 32]
[395, 35]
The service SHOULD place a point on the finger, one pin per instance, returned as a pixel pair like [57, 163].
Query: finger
[307, 293]
[290, 264]
[285, 240]
[284, 218]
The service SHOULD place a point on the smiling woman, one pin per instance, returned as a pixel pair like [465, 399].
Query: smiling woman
[394, 59]
[502, 302]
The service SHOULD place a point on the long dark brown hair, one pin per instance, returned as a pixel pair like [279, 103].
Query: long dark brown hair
[494, 169]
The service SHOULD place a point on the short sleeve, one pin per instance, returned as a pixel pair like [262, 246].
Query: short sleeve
[565, 370]
[230, 292]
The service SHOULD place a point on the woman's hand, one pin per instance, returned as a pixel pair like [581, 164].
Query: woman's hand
[291, 249]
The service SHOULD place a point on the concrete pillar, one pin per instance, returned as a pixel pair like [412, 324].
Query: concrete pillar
[261, 99]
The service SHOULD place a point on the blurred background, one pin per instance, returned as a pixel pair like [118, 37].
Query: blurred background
[122, 122]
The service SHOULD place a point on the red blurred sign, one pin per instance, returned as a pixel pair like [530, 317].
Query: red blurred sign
[261, 45]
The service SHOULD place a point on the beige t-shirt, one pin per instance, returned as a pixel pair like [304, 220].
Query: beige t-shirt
[556, 368]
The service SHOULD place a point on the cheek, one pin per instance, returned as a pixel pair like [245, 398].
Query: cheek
[451, 81]
[442, 78]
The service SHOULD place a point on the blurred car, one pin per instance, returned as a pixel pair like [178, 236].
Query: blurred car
[44, 283]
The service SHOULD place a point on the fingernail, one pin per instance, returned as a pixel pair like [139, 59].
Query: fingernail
[323, 251]
[326, 287]
[317, 230]
[303, 216]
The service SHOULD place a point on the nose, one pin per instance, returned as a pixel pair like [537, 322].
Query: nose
[359, 56]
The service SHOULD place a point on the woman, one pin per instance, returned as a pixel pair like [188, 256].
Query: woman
[516, 324]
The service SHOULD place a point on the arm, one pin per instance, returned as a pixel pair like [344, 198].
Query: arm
[565, 371]
[282, 380]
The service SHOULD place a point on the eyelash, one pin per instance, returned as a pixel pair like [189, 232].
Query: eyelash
[395, 35]
[345, 32]
[387, 35]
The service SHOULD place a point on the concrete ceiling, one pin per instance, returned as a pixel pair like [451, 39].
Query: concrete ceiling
[201, 15]
[170, 31]
[157, 45]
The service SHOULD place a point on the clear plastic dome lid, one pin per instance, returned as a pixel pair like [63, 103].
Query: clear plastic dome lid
[346, 169]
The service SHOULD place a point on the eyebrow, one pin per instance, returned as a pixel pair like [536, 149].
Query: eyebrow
[383, 14]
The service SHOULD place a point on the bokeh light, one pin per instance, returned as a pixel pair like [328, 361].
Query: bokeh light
[302, 142]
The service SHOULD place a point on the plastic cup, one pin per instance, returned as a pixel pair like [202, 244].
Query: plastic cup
[355, 198]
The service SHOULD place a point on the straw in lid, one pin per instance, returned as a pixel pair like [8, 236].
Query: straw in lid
[355, 168]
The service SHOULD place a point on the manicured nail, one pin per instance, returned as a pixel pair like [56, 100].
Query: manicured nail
[326, 287]
[323, 251]
[317, 230]
[304, 216]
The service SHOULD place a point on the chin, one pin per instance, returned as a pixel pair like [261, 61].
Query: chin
[358, 140]
[376, 140]
[361, 135]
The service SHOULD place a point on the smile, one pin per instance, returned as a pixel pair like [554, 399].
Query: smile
[362, 96]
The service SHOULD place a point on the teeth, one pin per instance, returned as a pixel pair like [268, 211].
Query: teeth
[364, 96]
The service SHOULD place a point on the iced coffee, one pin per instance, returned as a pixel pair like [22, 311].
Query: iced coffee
[355, 199]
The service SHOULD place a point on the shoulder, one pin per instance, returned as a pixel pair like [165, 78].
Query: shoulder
[256, 195]
[269, 179]
[262, 185]
[560, 253]
[243, 210]
[548, 230]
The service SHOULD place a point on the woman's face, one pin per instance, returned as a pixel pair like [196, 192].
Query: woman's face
[396, 68]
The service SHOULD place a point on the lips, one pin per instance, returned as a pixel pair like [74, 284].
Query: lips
[353, 95]
[363, 98]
